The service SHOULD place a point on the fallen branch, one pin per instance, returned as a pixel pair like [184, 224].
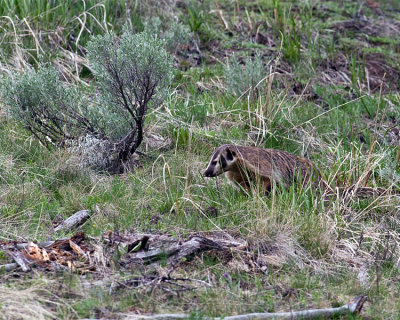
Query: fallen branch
[77, 249]
[73, 221]
[354, 307]
[43, 244]
[20, 259]
[8, 267]
[174, 252]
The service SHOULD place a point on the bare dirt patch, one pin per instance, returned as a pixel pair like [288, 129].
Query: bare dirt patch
[364, 60]
[380, 27]
[373, 74]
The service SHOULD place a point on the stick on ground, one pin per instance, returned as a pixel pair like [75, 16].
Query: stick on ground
[353, 307]
[76, 219]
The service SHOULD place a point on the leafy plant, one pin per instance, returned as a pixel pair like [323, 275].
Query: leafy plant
[357, 72]
[195, 17]
[174, 34]
[291, 43]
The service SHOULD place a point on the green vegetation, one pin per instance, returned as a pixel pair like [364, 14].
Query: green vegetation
[318, 79]
[50, 111]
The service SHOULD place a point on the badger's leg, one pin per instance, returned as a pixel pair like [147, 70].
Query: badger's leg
[239, 180]
[266, 185]
[245, 185]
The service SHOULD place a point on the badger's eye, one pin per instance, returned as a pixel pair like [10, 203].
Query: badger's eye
[214, 162]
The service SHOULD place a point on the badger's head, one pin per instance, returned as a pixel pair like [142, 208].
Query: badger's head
[222, 160]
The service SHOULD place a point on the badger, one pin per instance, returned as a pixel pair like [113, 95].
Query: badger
[251, 166]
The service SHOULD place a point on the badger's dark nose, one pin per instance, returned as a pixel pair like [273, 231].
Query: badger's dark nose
[208, 173]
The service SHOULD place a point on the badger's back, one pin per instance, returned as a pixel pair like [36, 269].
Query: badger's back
[280, 166]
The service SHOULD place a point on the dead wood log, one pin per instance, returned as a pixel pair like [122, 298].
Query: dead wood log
[73, 221]
[8, 267]
[174, 252]
[77, 249]
[56, 255]
[352, 308]
[21, 260]
[43, 244]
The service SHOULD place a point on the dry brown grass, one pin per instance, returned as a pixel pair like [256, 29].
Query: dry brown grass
[34, 302]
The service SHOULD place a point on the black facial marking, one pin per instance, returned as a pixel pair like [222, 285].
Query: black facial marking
[229, 155]
[223, 162]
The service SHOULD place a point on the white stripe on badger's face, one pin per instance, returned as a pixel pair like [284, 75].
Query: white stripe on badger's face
[221, 161]
[214, 166]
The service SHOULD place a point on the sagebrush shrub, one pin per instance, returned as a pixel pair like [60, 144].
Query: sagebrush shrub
[240, 77]
[132, 74]
[45, 106]
[174, 34]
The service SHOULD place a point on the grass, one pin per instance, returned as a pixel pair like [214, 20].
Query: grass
[320, 103]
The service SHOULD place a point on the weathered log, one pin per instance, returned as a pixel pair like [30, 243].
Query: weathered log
[8, 267]
[354, 307]
[175, 251]
[73, 221]
[43, 244]
[77, 249]
[21, 260]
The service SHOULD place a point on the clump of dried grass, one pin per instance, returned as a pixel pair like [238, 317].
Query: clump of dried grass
[91, 152]
[26, 304]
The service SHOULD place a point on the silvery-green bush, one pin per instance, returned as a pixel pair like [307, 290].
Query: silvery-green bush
[132, 74]
[174, 34]
[45, 106]
[240, 77]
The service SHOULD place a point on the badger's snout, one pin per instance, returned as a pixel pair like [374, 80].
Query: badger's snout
[209, 173]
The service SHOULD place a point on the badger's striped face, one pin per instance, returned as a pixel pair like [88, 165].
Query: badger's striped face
[221, 161]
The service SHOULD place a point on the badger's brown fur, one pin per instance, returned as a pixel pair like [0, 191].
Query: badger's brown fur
[250, 166]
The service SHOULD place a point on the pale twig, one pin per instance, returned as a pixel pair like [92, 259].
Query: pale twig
[354, 307]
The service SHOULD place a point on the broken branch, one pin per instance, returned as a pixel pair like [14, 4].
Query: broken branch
[354, 307]
[75, 220]
[8, 267]
[175, 252]
[20, 259]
